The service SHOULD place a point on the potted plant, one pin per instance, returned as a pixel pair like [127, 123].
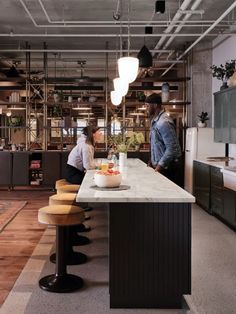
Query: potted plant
[141, 96]
[135, 140]
[120, 145]
[223, 73]
[16, 121]
[203, 117]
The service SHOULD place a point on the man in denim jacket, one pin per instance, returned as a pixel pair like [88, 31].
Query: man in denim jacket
[165, 148]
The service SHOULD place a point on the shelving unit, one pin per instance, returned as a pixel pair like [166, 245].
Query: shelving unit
[43, 129]
[35, 169]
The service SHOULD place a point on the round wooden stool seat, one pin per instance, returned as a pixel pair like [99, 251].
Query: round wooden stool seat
[61, 182]
[68, 188]
[61, 215]
[63, 199]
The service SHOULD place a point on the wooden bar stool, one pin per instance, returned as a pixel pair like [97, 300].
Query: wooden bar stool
[71, 189]
[61, 182]
[61, 187]
[68, 188]
[63, 199]
[61, 216]
[68, 199]
[72, 257]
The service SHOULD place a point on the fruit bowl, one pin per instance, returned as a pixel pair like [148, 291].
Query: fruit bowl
[107, 179]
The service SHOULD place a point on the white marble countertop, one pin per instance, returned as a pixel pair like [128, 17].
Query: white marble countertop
[146, 186]
[219, 164]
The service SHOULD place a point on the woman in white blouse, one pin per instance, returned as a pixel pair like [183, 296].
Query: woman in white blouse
[81, 158]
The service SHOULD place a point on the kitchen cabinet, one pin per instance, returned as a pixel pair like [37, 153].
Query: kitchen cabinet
[20, 168]
[5, 168]
[216, 200]
[229, 208]
[201, 175]
[64, 158]
[225, 116]
[211, 194]
[50, 167]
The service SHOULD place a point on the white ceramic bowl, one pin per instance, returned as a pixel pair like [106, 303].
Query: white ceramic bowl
[107, 181]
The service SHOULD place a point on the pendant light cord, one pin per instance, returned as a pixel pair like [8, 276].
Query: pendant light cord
[129, 3]
[117, 39]
[120, 40]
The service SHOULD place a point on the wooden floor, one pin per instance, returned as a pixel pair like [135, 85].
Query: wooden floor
[19, 238]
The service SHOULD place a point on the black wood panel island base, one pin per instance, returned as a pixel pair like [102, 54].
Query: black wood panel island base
[150, 238]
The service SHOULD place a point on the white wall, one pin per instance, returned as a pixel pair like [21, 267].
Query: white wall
[223, 49]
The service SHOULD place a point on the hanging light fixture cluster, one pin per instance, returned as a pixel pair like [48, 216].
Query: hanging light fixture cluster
[128, 71]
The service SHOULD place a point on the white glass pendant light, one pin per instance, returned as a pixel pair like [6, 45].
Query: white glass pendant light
[116, 98]
[128, 68]
[121, 86]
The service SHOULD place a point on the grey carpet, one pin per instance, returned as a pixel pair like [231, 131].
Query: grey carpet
[213, 273]
[213, 265]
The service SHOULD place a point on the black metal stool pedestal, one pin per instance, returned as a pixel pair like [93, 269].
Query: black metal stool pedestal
[60, 282]
[72, 257]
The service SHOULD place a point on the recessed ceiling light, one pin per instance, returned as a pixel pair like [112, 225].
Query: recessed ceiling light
[137, 114]
[18, 108]
[86, 113]
[81, 108]
[142, 108]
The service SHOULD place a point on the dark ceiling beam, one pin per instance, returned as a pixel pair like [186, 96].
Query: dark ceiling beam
[161, 79]
[72, 87]
[143, 88]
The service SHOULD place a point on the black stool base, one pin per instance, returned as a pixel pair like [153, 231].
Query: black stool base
[82, 228]
[74, 258]
[88, 209]
[80, 240]
[61, 284]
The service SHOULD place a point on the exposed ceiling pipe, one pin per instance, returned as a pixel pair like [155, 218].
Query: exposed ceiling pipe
[202, 36]
[9, 61]
[186, 17]
[107, 35]
[112, 24]
[74, 50]
[177, 16]
[178, 29]
[193, 11]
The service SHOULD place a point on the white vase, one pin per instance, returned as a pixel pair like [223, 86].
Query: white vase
[122, 159]
[201, 124]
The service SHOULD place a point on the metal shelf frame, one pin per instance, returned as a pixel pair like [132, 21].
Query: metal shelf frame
[38, 101]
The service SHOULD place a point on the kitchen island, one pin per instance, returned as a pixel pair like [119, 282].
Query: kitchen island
[149, 238]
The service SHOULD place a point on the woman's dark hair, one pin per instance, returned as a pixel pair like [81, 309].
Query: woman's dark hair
[88, 131]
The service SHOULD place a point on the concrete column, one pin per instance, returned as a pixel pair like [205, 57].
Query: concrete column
[201, 83]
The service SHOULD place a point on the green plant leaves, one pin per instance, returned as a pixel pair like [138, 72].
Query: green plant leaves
[223, 72]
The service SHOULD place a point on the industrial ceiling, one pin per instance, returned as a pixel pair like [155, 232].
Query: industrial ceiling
[77, 30]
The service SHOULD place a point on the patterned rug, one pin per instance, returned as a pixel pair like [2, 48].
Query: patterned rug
[8, 210]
